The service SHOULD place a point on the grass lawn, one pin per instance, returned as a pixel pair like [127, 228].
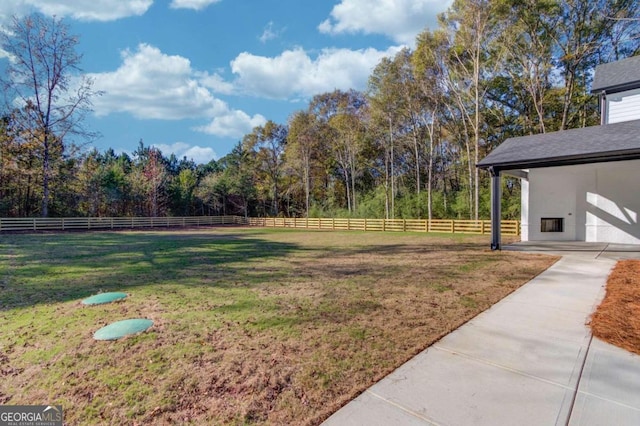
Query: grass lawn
[251, 325]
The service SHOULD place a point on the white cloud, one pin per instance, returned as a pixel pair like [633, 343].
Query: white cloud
[150, 84]
[401, 20]
[215, 82]
[95, 10]
[269, 33]
[233, 124]
[191, 4]
[9, 9]
[294, 73]
[200, 155]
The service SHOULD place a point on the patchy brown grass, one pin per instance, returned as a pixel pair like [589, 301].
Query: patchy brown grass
[617, 319]
[251, 326]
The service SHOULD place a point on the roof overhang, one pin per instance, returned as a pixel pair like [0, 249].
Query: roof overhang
[601, 157]
[617, 76]
[609, 90]
[595, 144]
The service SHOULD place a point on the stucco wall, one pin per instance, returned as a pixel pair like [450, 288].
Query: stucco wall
[599, 202]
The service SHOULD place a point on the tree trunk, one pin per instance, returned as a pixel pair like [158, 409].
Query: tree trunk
[386, 182]
[353, 183]
[470, 170]
[430, 173]
[393, 180]
[274, 203]
[307, 186]
[476, 126]
[45, 176]
[444, 181]
[393, 184]
[418, 183]
[568, 97]
[416, 153]
[347, 185]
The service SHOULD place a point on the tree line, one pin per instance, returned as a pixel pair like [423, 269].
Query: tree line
[406, 147]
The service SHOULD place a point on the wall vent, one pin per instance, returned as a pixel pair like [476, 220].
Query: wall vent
[552, 224]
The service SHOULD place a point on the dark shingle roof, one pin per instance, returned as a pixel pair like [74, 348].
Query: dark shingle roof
[610, 142]
[617, 76]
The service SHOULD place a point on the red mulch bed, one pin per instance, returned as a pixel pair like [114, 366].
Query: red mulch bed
[617, 319]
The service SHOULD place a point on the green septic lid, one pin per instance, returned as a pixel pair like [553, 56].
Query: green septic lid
[123, 328]
[101, 298]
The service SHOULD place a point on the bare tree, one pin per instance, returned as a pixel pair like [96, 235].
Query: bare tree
[474, 29]
[301, 148]
[44, 86]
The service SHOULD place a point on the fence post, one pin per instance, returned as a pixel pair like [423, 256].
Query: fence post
[453, 226]
[365, 224]
[404, 225]
[482, 227]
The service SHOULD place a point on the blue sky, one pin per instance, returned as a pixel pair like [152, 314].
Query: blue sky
[193, 76]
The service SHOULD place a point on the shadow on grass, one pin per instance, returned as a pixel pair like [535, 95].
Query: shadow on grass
[400, 249]
[49, 268]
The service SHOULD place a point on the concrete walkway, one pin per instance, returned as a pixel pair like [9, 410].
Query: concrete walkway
[529, 360]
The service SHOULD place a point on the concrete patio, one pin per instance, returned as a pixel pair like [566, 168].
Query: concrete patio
[596, 250]
[529, 360]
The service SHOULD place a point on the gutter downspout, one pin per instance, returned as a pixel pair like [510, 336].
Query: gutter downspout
[603, 108]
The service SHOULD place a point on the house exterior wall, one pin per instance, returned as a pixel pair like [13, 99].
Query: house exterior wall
[623, 106]
[598, 202]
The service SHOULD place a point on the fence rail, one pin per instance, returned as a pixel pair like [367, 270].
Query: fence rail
[89, 223]
[508, 227]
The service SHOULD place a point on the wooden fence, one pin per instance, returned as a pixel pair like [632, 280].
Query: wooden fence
[88, 223]
[508, 227]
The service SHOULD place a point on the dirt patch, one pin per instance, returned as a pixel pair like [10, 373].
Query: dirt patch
[617, 319]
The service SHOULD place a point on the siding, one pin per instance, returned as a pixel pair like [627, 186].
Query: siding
[623, 106]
